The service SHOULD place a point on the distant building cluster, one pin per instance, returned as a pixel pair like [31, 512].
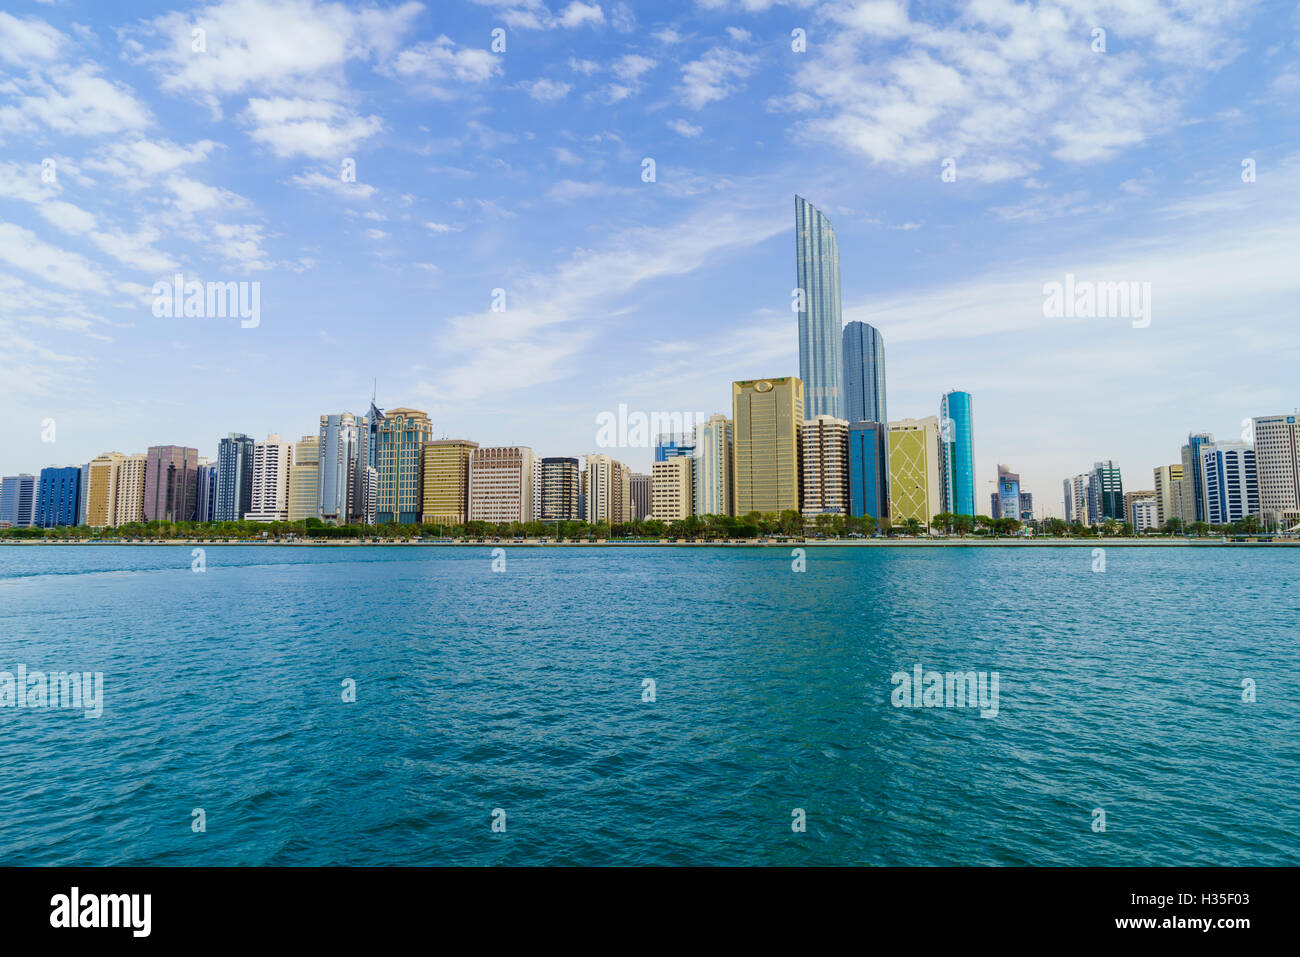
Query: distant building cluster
[818, 444]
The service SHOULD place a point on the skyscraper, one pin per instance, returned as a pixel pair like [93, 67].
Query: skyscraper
[639, 487]
[560, 487]
[101, 501]
[234, 478]
[170, 483]
[500, 484]
[343, 439]
[304, 479]
[825, 477]
[445, 499]
[1076, 499]
[400, 437]
[1277, 459]
[1007, 497]
[58, 499]
[1106, 493]
[957, 463]
[609, 490]
[18, 500]
[914, 487]
[817, 266]
[713, 465]
[1193, 479]
[1230, 482]
[864, 374]
[868, 475]
[272, 460]
[1169, 493]
[767, 417]
[205, 498]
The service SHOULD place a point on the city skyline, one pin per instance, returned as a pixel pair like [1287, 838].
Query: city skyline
[682, 283]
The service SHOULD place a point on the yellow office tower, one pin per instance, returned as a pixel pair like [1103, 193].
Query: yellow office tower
[767, 417]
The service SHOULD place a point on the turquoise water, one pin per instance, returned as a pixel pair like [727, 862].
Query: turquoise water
[522, 690]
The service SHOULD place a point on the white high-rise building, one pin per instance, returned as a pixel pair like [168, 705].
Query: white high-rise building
[713, 467]
[271, 462]
[1277, 461]
[609, 490]
[1143, 513]
[1230, 482]
[501, 488]
[1076, 499]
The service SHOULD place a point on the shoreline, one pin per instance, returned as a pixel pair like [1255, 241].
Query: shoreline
[794, 543]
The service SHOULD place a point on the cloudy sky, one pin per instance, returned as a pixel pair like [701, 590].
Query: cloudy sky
[141, 140]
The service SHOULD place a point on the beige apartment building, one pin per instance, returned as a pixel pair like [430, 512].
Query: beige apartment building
[445, 467]
[304, 479]
[825, 477]
[672, 489]
[501, 484]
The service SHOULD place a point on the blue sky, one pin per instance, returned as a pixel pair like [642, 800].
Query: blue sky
[522, 170]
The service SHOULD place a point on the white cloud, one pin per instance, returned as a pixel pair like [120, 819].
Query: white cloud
[439, 68]
[546, 90]
[715, 76]
[577, 14]
[333, 183]
[316, 128]
[29, 41]
[689, 130]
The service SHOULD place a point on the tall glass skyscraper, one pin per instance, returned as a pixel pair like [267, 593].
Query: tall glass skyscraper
[817, 262]
[58, 499]
[234, 478]
[957, 461]
[864, 374]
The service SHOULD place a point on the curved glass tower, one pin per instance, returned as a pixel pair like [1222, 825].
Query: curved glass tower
[957, 461]
[817, 262]
[864, 374]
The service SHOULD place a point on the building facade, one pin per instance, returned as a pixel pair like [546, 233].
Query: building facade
[957, 461]
[272, 460]
[609, 490]
[18, 494]
[400, 437]
[342, 458]
[58, 497]
[868, 475]
[713, 467]
[170, 483]
[1277, 462]
[445, 467]
[672, 489]
[1168, 493]
[501, 484]
[1006, 500]
[1193, 477]
[1230, 482]
[864, 373]
[304, 479]
[825, 465]
[914, 487]
[1106, 493]
[767, 417]
[817, 270]
[640, 488]
[560, 489]
[234, 478]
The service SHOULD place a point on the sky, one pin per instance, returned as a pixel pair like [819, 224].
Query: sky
[618, 180]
